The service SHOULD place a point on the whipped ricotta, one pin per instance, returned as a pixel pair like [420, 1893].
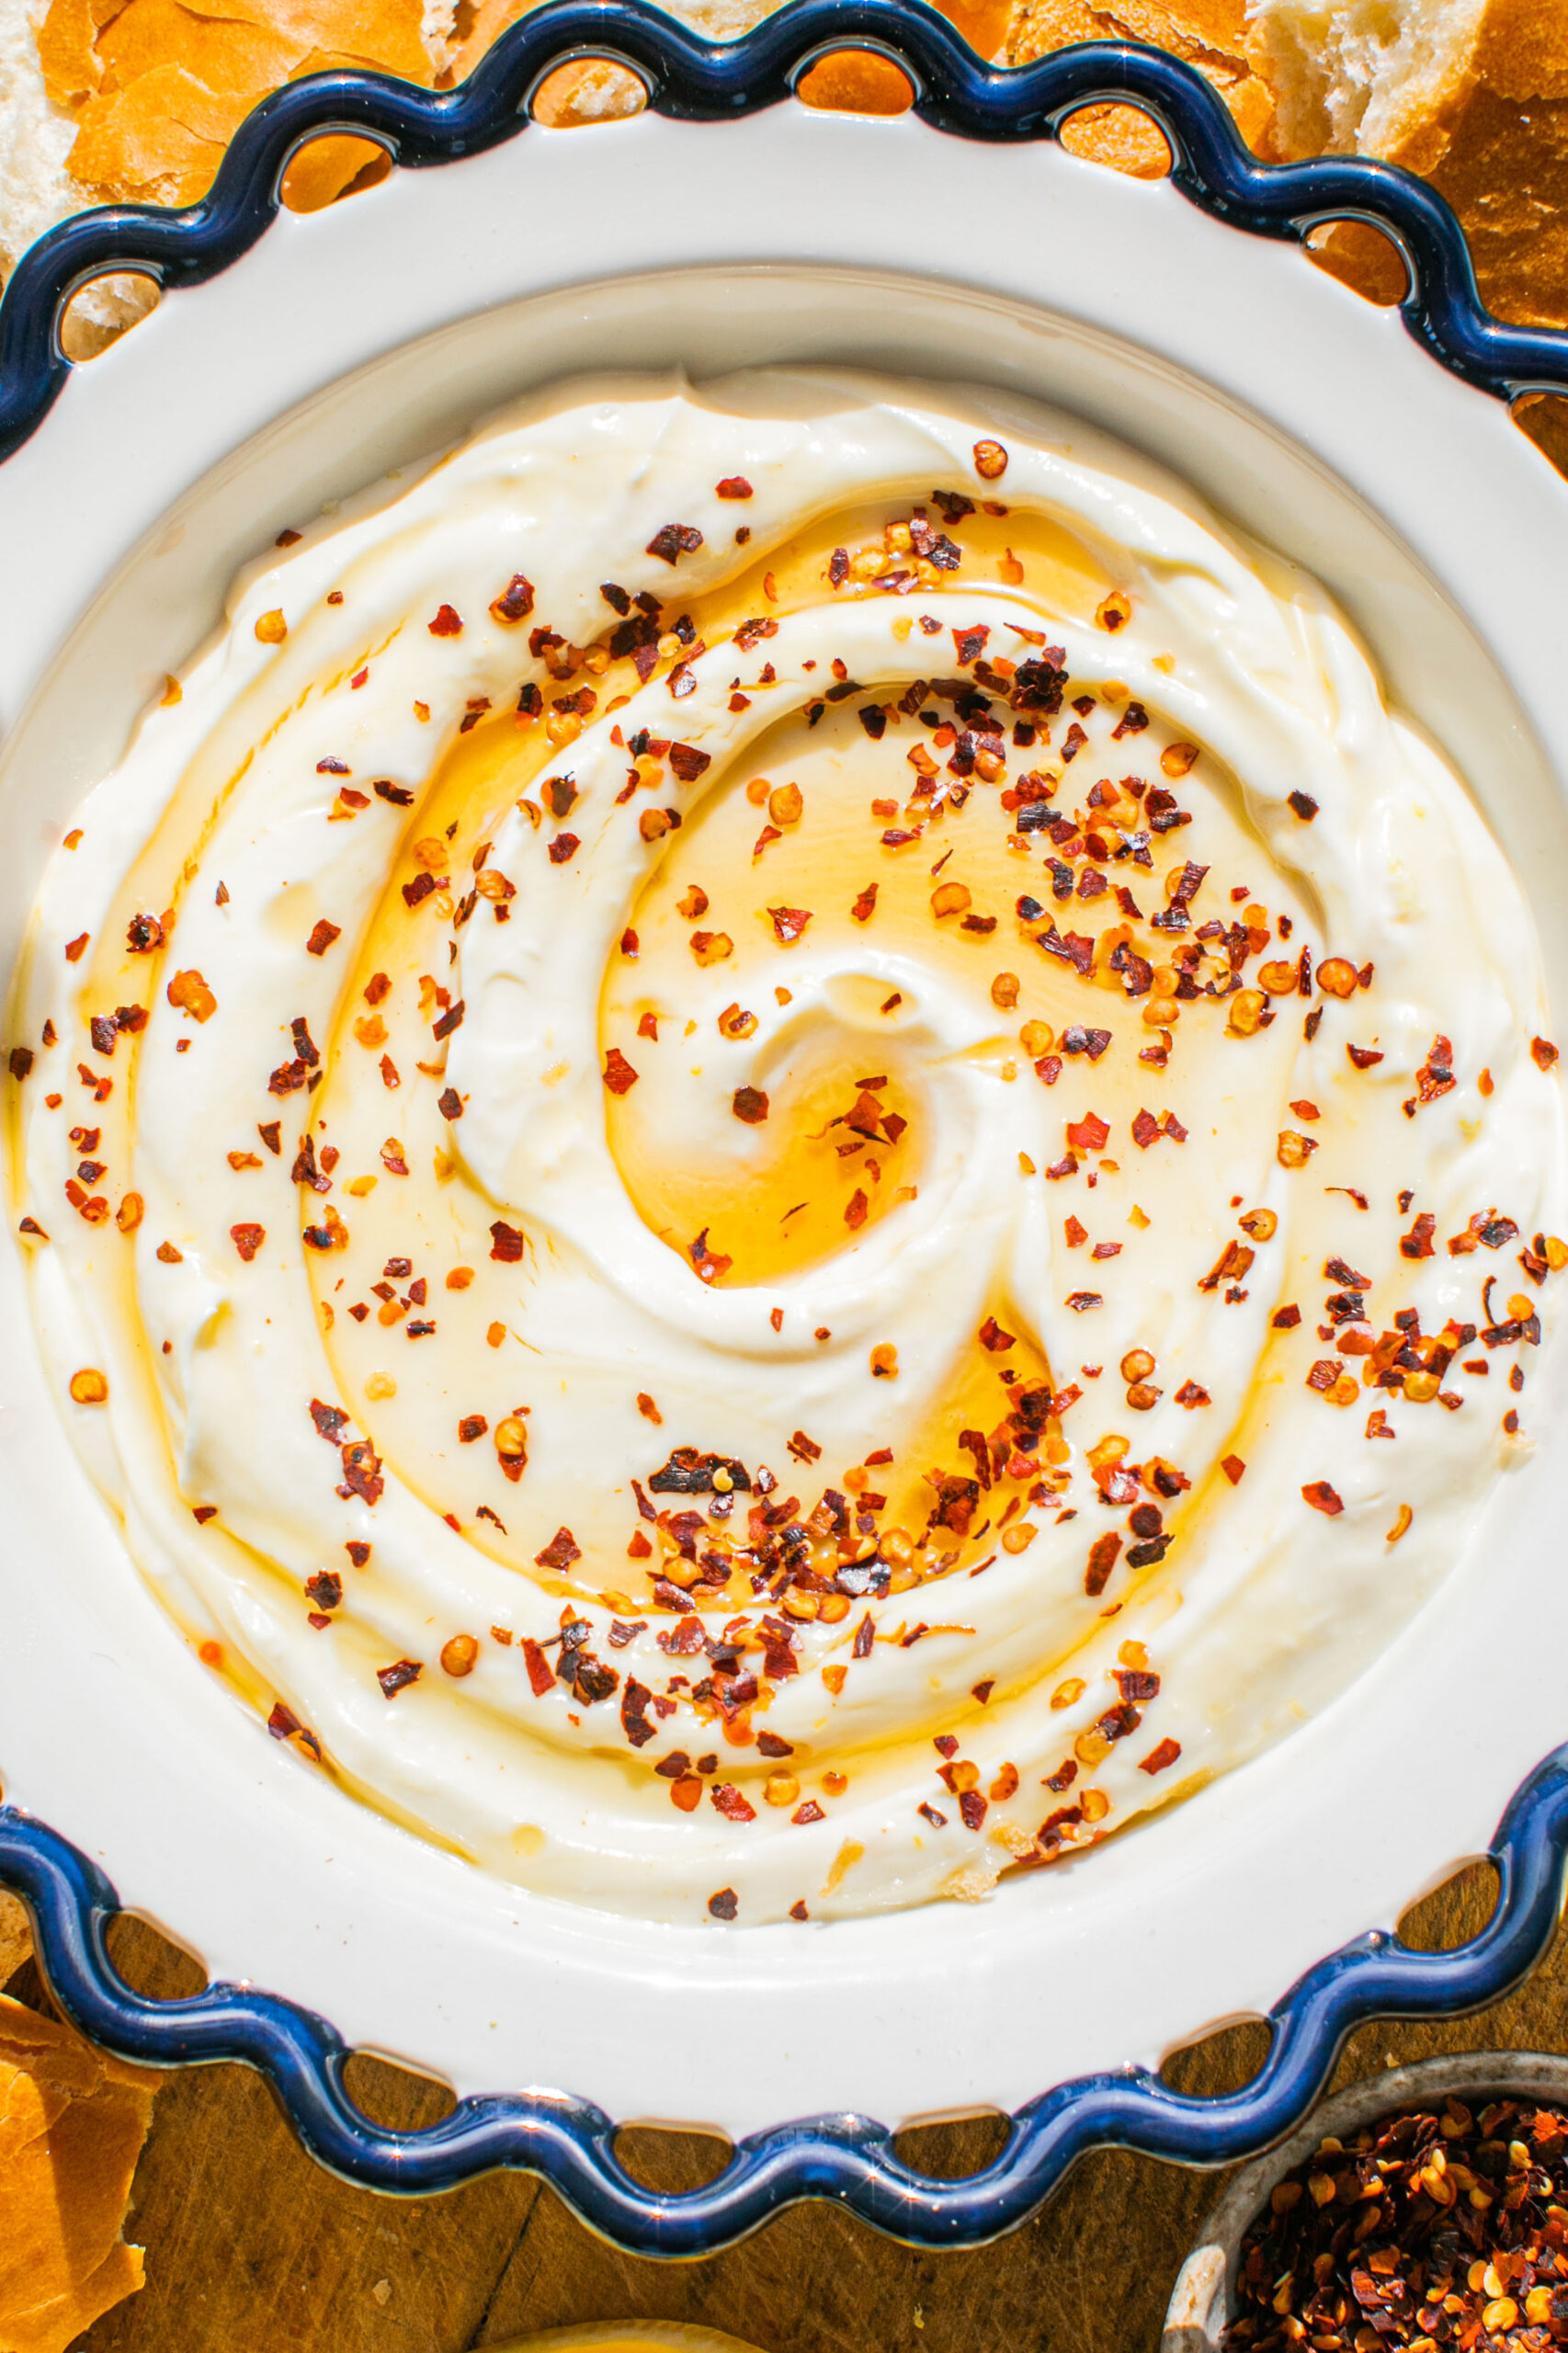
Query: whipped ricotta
[777, 1149]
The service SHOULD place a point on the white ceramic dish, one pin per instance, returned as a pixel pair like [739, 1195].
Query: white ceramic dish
[346, 341]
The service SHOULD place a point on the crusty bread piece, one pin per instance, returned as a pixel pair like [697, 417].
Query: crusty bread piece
[72, 2125]
[106, 102]
[1362, 76]
[1471, 94]
[35, 185]
[1210, 34]
[16, 1936]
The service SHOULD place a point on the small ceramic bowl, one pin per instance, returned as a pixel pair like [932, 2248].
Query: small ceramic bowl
[1203, 2303]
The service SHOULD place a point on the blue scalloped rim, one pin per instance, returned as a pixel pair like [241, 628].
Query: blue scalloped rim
[698, 81]
[850, 2159]
[845, 2158]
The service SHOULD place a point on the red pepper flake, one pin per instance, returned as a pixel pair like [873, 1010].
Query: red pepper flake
[447, 623]
[1133, 721]
[724, 1904]
[732, 1803]
[142, 935]
[399, 795]
[21, 1061]
[732, 486]
[1091, 1134]
[357, 681]
[804, 1448]
[618, 1074]
[565, 846]
[972, 1809]
[1417, 1243]
[505, 1243]
[865, 1635]
[322, 937]
[1542, 1052]
[1191, 1394]
[1102, 1559]
[750, 1104]
[789, 923]
[856, 1212]
[358, 1553]
[1363, 1057]
[1306, 808]
[542, 1677]
[1079, 1301]
[674, 540]
[270, 1132]
[1321, 1497]
[399, 1676]
[1234, 1467]
[282, 1722]
[1436, 1076]
[1287, 1318]
[247, 1240]
[514, 603]
[361, 1468]
[559, 1552]
[992, 1336]
[1159, 1759]
[687, 762]
[866, 904]
[929, 1813]
[75, 948]
[202, 1513]
[708, 1264]
[449, 1103]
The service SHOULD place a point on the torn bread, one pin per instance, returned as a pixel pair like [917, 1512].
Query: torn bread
[1210, 34]
[72, 2125]
[1470, 94]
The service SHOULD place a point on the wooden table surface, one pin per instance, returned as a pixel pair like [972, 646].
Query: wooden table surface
[249, 2243]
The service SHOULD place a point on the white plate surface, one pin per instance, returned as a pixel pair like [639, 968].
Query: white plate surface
[354, 338]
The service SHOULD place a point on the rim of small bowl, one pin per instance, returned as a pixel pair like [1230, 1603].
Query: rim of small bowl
[1203, 2300]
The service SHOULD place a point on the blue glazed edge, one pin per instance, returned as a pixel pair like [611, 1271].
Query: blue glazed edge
[845, 2158]
[698, 81]
[850, 2159]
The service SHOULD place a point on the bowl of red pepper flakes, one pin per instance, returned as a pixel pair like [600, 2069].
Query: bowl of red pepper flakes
[1423, 2209]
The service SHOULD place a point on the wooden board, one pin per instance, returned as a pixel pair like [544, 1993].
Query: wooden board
[248, 2243]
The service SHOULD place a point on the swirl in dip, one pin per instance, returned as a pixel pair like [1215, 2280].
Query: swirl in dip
[777, 1151]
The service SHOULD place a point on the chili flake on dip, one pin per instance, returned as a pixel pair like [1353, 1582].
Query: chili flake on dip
[777, 1149]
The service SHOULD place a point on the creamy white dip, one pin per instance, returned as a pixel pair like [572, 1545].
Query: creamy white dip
[665, 1266]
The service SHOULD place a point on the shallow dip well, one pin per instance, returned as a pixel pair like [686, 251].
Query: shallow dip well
[888, 1269]
[112, 1731]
